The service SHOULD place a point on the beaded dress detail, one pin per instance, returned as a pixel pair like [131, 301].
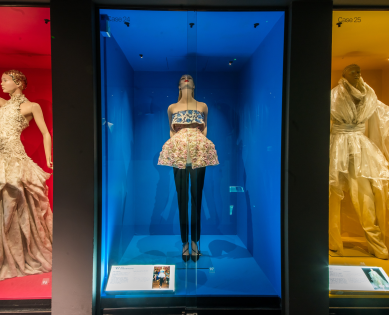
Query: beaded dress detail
[201, 150]
[26, 220]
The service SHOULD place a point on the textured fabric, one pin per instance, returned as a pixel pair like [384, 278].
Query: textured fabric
[363, 199]
[358, 163]
[187, 117]
[348, 138]
[26, 224]
[201, 150]
[181, 178]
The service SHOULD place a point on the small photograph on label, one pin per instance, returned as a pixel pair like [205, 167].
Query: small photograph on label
[376, 278]
[161, 277]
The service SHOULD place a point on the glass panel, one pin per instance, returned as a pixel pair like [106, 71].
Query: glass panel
[239, 88]
[25, 156]
[191, 138]
[359, 170]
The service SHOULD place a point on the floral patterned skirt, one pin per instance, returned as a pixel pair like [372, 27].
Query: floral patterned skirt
[175, 151]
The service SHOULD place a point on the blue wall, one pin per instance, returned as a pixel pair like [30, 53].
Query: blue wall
[259, 154]
[117, 150]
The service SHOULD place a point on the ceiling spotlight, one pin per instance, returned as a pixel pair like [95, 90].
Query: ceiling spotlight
[191, 25]
[127, 23]
[141, 55]
[255, 25]
[230, 63]
[46, 21]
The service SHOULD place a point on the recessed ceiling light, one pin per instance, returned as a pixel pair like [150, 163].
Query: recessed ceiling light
[141, 55]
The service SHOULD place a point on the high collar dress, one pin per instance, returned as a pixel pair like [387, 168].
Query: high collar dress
[26, 220]
[359, 163]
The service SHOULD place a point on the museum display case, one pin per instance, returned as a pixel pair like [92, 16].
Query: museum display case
[358, 204]
[26, 181]
[191, 110]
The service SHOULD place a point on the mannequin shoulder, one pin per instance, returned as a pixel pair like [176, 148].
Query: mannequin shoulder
[202, 107]
[28, 104]
[30, 107]
[171, 109]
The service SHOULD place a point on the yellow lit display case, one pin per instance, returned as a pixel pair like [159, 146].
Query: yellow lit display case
[359, 38]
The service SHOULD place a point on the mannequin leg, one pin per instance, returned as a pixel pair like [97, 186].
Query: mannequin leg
[336, 243]
[363, 199]
[197, 183]
[381, 211]
[181, 178]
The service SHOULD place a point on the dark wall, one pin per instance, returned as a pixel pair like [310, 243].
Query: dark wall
[74, 148]
[306, 135]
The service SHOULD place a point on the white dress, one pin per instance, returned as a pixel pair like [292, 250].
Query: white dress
[26, 220]
[359, 163]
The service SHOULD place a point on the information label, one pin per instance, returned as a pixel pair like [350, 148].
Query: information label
[358, 278]
[141, 278]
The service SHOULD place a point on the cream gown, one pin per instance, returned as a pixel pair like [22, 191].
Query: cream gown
[359, 163]
[26, 220]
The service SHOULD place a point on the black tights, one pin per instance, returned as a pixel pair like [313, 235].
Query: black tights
[181, 178]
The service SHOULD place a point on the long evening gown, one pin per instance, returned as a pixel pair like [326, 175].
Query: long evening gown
[26, 220]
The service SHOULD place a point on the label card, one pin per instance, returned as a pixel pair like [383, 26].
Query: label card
[141, 278]
[358, 278]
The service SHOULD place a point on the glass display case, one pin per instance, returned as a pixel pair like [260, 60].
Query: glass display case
[191, 121]
[26, 127]
[359, 157]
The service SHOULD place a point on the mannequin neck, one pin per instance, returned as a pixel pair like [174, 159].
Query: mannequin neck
[17, 91]
[186, 96]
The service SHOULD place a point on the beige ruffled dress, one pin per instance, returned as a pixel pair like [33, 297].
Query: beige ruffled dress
[188, 143]
[26, 220]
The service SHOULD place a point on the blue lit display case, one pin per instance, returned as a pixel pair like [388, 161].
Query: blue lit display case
[234, 62]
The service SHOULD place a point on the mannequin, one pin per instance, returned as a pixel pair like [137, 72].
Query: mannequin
[189, 152]
[359, 159]
[25, 214]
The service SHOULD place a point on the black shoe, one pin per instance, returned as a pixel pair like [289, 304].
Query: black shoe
[195, 255]
[185, 253]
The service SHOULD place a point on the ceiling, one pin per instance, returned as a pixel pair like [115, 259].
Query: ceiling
[25, 38]
[365, 43]
[168, 42]
[217, 2]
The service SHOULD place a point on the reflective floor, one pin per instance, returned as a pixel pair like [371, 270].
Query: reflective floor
[226, 267]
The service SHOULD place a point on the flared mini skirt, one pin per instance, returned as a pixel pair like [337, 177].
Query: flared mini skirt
[201, 150]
